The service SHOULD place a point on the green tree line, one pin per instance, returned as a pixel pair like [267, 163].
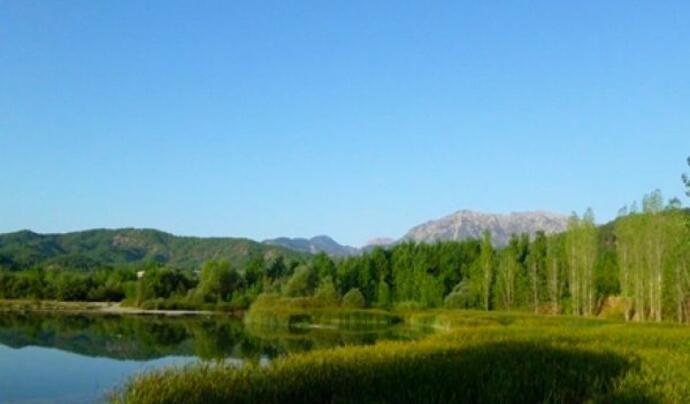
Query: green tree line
[640, 261]
[642, 257]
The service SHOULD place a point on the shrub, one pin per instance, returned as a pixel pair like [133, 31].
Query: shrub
[326, 292]
[301, 283]
[354, 299]
[462, 297]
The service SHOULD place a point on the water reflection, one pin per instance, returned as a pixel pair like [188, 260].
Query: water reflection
[151, 337]
[77, 358]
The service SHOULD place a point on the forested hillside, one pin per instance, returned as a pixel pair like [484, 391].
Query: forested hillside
[96, 249]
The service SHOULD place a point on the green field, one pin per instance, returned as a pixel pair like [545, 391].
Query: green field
[471, 357]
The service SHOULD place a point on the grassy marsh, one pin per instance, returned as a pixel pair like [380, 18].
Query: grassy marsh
[473, 357]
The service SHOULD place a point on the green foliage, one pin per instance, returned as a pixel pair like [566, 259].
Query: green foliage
[326, 292]
[301, 283]
[71, 287]
[642, 256]
[162, 283]
[653, 259]
[97, 249]
[581, 252]
[487, 270]
[323, 266]
[105, 285]
[354, 299]
[218, 281]
[383, 294]
[463, 296]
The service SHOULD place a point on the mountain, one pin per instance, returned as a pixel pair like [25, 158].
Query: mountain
[383, 242]
[460, 225]
[104, 247]
[91, 249]
[466, 224]
[314, 245]
[379, 242]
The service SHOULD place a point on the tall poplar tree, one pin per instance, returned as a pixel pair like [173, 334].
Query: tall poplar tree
[507, 268]
[554, 275]
[581, 252]
[537, 269]
[486, 263]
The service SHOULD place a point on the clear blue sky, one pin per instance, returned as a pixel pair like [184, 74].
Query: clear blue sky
[352, 118]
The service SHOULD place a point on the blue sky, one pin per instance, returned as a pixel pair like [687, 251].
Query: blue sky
[352, 118]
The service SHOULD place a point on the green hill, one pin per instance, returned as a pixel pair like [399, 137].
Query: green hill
[90, 249]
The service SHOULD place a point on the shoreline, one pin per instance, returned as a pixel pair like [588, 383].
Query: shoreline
[116, 308]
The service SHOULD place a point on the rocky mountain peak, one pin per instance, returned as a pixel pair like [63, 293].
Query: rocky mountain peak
[465, 224]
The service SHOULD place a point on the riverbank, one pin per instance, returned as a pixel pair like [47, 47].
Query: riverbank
[116, 308]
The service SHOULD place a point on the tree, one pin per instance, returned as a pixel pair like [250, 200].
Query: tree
[71, 287]
[653, 262]
[277, 268]
[326, 291]
[463, 296]
[537, 268]
[402, 264]
[383, 294]
[301, 283]
[323, 266]
[505, 278]
[627, 231]
[486, 264]
[354, 299]
[678, 263]
[218, 281]
[254, 270]
[554, 276]
[347, 274]
[581, 252]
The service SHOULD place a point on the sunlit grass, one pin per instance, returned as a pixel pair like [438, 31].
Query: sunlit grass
[473, 357]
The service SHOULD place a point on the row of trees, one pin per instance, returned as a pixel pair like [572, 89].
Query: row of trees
[103, 285]
[643, 257]
[652, 254]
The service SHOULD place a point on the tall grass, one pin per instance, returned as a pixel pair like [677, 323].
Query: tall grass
[480, 357]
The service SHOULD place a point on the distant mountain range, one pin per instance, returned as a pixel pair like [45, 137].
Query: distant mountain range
[92, 249]
[460, 225]
[104, 247]
[314, 245]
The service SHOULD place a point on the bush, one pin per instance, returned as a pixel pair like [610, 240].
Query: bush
[301, 283]
[354, 299]
[462, 297]
[326, 292]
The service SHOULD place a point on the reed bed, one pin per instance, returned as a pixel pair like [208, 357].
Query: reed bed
[478, 357]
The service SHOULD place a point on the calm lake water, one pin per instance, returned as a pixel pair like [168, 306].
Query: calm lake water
[61, 358]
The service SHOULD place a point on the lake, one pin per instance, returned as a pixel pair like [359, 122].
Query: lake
[70, 358]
